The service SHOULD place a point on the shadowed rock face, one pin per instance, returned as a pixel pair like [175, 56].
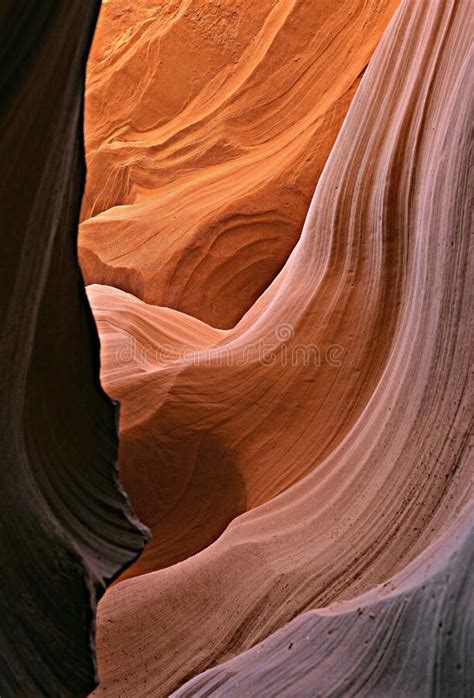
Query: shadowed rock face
[67, 528]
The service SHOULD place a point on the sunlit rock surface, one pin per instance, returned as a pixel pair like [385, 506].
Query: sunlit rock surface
[207, 127]
[335, 416]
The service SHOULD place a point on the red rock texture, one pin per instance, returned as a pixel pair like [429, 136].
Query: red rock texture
[333, 417]
[295, 427]
[207, 127]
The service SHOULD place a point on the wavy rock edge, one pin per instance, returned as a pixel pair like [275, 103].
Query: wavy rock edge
[67, 527]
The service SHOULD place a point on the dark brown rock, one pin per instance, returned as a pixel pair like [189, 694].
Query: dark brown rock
[67, 528]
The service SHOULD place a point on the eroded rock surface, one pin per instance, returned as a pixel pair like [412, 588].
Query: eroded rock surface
[208, 125]
[354, 459]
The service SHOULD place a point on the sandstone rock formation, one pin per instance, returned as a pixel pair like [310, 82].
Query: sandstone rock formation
[407, 637]
[207, 128]
[303, 460]
[67, 528]
[335, 414]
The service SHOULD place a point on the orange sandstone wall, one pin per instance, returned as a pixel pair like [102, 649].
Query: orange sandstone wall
[207, 127]
[347, 571]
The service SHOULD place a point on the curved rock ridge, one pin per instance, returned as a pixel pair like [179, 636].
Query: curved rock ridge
[348, 468]
[67, 528]
[370, 645]
[207, 127]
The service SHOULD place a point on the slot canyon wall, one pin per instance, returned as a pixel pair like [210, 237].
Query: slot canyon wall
[325, 428]
[67, 527]
[276, 242]
[207, 126]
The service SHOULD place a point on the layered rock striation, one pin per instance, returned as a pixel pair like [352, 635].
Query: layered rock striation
[207, 126]
[335, 416]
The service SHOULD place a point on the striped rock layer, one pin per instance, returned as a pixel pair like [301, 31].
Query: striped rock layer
[327, 431]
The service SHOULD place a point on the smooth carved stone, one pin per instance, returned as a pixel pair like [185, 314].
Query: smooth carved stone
[351, 469]
[207, 127]
[407, 637]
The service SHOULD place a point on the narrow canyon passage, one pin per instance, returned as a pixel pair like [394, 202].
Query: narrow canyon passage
[236, 298]
[315, 405]
[191, 464]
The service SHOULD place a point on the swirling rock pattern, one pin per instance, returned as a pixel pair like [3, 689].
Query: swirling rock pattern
[67, 528]
[338, 407]
[207, 128]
